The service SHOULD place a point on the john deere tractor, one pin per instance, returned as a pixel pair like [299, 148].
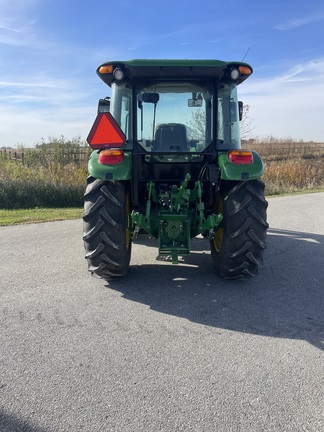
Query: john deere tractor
[167, 160]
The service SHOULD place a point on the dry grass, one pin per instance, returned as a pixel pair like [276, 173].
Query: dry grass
[49, 179]
[42, 181]
[270, 149]
[290, 166]
[293, 175]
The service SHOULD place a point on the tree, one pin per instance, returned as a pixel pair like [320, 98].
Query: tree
[197, 123]
[246, 124]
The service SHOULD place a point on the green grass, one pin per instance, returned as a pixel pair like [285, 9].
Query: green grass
[37, 215]
[14, 217]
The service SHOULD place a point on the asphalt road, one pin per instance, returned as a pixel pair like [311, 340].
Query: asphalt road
[169, 348]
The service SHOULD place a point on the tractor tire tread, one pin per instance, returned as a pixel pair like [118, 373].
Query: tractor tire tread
[104, 225]
[243, 228]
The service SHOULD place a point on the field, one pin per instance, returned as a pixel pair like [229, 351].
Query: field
[54, 175]
[290, 166]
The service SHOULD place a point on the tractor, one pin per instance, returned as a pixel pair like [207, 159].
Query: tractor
[167, 160]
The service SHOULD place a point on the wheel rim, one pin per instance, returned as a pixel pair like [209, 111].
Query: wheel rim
[218, 237]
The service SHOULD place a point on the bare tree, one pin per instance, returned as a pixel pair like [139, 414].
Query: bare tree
[246, 124]
[198, 120]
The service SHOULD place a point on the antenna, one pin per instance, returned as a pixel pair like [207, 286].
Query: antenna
[246, 53]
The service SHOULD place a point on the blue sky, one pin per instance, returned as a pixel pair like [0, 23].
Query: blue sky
[50, 49]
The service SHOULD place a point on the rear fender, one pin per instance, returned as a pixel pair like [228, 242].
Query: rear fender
[231, 171]
[121, 171]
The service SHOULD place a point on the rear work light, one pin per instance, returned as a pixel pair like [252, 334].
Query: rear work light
[240, 157]
[105, 133]
[118, 74]
[235, 74]
[111, 157]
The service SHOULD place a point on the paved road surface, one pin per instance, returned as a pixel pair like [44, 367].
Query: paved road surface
[170, 348]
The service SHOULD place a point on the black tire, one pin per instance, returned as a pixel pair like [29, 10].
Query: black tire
[107, 240]
[239, 242]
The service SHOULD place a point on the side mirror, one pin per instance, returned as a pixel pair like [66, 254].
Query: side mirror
[240, 108]
[104, 105]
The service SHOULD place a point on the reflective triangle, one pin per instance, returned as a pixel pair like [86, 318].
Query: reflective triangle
[106, 132]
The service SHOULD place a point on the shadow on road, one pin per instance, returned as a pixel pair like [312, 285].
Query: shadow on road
[286, 299]
[11, 423]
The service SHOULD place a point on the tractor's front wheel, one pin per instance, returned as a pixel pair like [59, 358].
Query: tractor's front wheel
[239, 241]
[107, 237]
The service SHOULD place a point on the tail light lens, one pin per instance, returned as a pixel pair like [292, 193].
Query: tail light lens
[240, 157]
[111, 157]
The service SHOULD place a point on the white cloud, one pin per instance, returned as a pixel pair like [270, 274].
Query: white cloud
[45, 106]
[290, 104]
[18, 23]
[41, 95]
[300, 22]
[28, 127]
[26, 84]
[10, 29]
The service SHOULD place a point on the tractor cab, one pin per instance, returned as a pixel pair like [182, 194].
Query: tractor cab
[175, 106]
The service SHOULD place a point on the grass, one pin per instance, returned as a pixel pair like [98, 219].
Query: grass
[36, 215]
[41, 182]
[50, 184]
[282, 177]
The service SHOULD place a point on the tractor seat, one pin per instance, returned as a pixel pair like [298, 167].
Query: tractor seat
[171, 137]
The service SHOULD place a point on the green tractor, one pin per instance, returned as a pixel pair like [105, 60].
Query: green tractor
[167, 160]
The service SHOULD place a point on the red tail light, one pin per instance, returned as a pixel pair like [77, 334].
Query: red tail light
[240, 157]
[111, 157]
[105, 132]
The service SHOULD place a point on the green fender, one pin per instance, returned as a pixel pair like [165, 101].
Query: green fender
[231, 171]
[120, 171]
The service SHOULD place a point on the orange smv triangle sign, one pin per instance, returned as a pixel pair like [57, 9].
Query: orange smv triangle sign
[105, 133]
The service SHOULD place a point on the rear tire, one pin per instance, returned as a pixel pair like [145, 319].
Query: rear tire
[239, 242]
[107, 239]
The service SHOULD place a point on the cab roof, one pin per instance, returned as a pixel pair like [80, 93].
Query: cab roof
[174, 69]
